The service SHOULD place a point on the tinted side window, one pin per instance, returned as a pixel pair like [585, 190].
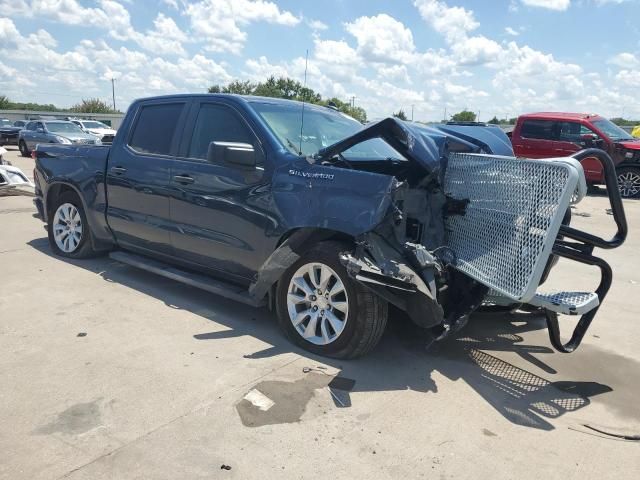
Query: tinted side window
[217, 123]
[31, 126]
[541, 129]
[569, 132]
[155, 127]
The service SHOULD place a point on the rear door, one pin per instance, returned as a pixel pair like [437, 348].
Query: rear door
[217, 212]
[138, 177]
[536, 138]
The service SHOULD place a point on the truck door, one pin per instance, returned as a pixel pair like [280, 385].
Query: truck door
[217, 208]
[571, 139]
[535, 139]
[138, 177]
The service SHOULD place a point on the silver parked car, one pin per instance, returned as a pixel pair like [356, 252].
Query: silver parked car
[99, 129]
[52, 131]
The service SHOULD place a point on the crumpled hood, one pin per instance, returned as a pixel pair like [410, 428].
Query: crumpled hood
[427, 145]
[630, 144]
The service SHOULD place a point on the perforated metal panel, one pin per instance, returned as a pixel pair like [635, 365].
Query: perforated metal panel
[569, 303]
[515, 211]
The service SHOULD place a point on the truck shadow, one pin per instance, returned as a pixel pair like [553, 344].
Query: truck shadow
[406, 359]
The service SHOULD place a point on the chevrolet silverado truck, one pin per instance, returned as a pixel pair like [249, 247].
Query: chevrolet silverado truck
[327, 222]
[554, 134]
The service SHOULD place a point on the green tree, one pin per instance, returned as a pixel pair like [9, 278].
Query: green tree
[464, 116]
[495, 121]
[92, 105]
[400, 115]
[290, 89]
[623, 122]
[4, 102]
[356, 112]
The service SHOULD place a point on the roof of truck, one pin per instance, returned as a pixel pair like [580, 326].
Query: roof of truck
[561, 115]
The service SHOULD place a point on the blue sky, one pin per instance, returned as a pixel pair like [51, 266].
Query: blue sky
[498, 57]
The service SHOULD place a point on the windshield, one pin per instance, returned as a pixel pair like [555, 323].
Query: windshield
[63, 127]
[321, 129]
[611, 130]
[94, 125]
[4, 122]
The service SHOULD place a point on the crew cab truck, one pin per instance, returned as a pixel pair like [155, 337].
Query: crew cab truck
[553, 134]
[324, 220]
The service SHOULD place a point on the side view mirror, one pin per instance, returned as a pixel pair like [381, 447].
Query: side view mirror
[235, 153]
[588, 137]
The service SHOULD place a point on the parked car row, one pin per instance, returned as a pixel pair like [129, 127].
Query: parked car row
[27, 134]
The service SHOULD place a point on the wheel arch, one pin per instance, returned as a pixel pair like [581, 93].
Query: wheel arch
[290, 247]
[55, 190]
[58, 188]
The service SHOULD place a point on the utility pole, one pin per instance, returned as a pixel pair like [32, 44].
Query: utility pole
[444, 119]
[353, 101]
[113, 92]
[412, 113]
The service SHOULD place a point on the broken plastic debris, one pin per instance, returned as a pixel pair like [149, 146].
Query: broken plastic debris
[81, 334]
[225, 467]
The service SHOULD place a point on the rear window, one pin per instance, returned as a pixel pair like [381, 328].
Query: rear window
[541, 129]
[155, 127]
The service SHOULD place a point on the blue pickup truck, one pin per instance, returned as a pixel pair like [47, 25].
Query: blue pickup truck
[327, 222]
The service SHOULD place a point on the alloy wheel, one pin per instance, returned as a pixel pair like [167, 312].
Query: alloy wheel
[629, 183]
[67, 228]
[318, 303]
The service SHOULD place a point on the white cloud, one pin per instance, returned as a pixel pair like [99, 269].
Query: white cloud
[218, 22]
[626, 60]
[335, 52]
[511, 31]
[476, 50]
[452, 22]
[317, 25]
[558, 5]
[382, 38]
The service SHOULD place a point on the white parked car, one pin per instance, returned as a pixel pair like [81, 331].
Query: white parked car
[104, 132]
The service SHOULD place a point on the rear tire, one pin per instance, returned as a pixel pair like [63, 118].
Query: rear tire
[68, 230]
[331, 314]
[24, 151]
[629, 182]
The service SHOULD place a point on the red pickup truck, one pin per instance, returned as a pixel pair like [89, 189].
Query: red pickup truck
[552, 134]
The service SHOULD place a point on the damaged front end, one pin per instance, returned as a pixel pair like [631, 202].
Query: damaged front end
[468, 222]
[13, 181]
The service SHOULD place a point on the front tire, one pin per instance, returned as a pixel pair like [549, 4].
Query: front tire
[24, 151]
[325, 311]
[629, 182]
[68, 231]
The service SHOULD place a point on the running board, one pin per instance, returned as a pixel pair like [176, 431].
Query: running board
[197, 280]
[566, 303]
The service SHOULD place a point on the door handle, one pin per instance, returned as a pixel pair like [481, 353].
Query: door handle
[183, 179]
[118, 170]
